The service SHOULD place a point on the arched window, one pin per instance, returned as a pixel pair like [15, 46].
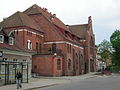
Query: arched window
[29, 44]
[70, 48]
[58, 64]
[37, 47]
[54, 48]
[91, 41]
[69, 64]
[11, 40]
[76, 61]
[40, 48]
[1, 38]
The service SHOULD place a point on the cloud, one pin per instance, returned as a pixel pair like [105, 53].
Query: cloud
[105, 13]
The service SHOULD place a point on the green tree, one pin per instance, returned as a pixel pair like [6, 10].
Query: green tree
[115, 40]
[104, 51]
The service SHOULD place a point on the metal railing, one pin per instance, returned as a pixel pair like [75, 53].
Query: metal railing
[8, 71]
[50, 51]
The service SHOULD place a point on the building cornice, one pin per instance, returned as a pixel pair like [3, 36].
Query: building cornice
[63, 42]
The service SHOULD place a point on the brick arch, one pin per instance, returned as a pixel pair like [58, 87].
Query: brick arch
[57, 68]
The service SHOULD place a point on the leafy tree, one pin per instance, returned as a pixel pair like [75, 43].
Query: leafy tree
[115, 40]
[105, 50]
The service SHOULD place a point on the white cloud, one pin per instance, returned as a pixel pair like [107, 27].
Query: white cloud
[105, 13]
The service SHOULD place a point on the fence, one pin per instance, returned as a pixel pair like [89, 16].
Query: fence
[8, 71]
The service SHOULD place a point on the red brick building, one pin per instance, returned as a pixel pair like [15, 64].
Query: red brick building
[59, 49]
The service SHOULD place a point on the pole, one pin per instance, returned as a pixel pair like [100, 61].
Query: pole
[27, 72]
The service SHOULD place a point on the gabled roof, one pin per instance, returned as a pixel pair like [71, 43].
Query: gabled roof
[35, 9]
[19, 19]
[79, 30]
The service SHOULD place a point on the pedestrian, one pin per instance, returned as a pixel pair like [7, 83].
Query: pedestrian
[18, 79]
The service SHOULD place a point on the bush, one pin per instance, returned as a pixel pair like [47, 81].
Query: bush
[114, 68]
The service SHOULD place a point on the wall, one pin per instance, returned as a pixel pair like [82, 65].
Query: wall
[46, 65]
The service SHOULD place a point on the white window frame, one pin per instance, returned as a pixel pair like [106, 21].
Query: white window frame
[2, 38]
[12, 42]
[29, 44]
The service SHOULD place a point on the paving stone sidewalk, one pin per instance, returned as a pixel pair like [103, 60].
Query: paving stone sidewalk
[42, 82]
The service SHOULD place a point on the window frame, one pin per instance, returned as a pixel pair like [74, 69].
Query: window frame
[12, 40]
[69, 64]
[2, 39]
[59, 64]
[29, 44]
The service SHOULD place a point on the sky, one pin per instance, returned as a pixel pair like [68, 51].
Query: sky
[105, 13]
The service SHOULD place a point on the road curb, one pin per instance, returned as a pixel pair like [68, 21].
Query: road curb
[41, 86]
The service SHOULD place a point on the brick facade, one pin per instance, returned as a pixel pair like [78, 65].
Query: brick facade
[58, 49]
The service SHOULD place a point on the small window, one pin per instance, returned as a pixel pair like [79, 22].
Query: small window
[1, 38]
[11, 41]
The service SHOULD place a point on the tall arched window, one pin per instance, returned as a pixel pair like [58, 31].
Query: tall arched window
[91, 41]
[69, 64]
[54, 48]
[37, 47]
[58, 64]
[40, 48]
[11, 40]
[76, 61]
[29, 44]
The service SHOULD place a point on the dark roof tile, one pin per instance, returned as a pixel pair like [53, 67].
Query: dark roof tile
[35, 9]
[79, 30]
[19, 19]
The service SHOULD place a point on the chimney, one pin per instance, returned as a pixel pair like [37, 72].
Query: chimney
[89, 19]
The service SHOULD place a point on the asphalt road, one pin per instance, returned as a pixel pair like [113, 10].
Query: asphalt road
[96, 83]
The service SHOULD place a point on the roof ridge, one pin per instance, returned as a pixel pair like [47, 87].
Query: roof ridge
[20, 13]
[35, 6]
